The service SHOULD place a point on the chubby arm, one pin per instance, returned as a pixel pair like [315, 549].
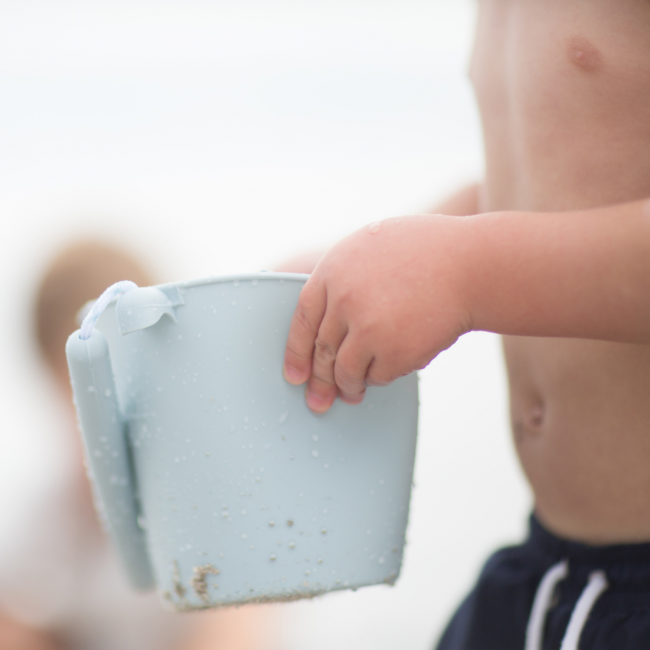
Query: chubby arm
[390, 297]
[583, 274]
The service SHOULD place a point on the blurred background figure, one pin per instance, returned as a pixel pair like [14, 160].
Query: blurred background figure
[61, 584]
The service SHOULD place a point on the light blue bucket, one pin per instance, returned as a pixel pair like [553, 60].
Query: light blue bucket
[216, 481]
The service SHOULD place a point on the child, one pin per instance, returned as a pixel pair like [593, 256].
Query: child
[557, 259]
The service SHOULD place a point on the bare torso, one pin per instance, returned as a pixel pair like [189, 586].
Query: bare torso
[564, 92]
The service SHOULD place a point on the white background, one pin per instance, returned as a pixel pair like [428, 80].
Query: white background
[223, 136]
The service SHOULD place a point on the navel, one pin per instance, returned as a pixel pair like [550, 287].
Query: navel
[529, 423]
[535, 416]
[584, 54]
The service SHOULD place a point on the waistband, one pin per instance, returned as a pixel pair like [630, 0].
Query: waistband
[542, 540]
[626, 566]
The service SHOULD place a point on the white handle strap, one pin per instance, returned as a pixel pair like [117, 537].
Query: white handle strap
[100, 304]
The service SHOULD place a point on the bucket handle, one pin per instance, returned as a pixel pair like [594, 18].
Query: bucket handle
[98, 307]
[105, 440]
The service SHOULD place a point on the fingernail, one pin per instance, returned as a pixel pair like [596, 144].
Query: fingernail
[348, 398]
[293, 375]
[316, 402]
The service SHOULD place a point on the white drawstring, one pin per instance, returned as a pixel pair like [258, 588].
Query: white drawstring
[596, 585]
[542, 604]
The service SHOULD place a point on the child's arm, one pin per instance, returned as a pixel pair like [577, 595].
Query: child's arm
[387, 299]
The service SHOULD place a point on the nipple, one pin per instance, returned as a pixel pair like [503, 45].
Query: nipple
[584, 54]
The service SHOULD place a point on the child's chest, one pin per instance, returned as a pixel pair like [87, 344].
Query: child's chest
[563, 88]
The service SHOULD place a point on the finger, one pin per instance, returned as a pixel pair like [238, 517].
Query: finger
[320, 395]
[321, 390]
[302, 333]
[350, 369]
[381, 374]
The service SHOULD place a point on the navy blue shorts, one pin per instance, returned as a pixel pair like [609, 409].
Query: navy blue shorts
[496, 614]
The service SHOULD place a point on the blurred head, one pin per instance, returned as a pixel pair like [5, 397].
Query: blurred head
[79, 273]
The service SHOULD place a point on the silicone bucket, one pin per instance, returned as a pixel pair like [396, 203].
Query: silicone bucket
[218, 484]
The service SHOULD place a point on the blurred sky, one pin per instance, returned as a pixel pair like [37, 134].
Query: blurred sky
[223, 136]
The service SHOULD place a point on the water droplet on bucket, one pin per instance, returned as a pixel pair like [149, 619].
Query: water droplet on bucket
[307, 572]
[374, 228]
[254, 283]
[381, 560]
[273, 557]
[271, 523]
[292, 545]
[289, 522]
[314, 453]
[314, 438]
[108, 392]
[323, 531]
[235, 283]
[283, 417]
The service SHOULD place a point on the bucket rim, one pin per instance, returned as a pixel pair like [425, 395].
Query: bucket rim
[264, 276]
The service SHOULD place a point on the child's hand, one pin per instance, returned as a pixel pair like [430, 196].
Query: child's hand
[380, 304]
